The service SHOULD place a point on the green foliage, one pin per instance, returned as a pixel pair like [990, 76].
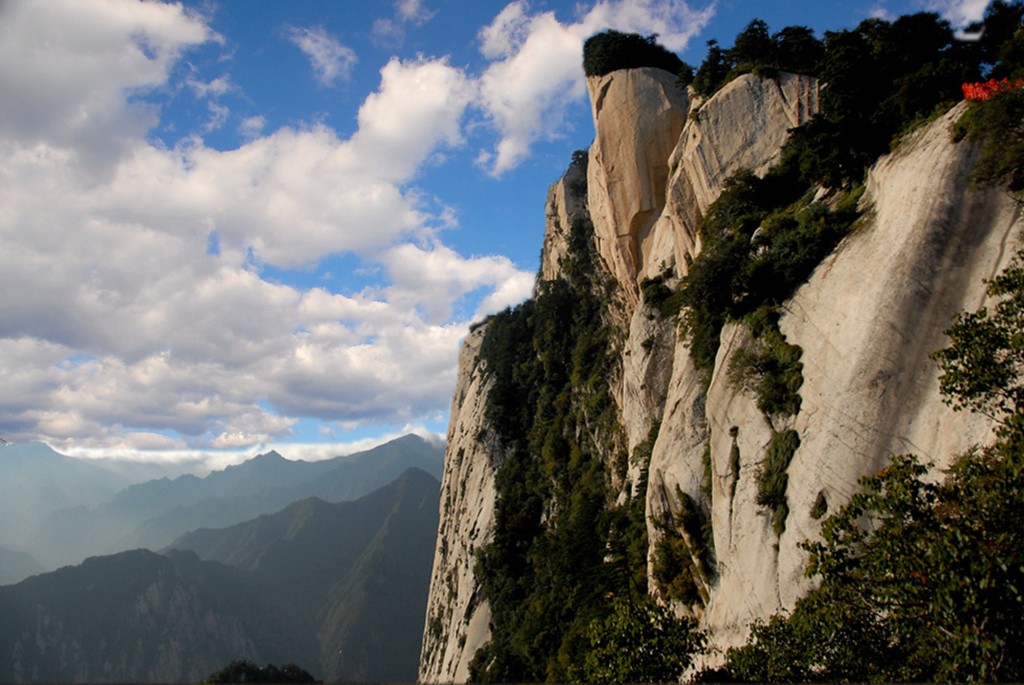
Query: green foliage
[739, 272]
[922, 579]
[773, 477]
[610, 51]
[658, 296]
[711, 74]
[673, 570]
[880, 78]
[770, 368]
[981, 370]
[933, 592]
[998, 125]
[248, 672]
[753, 46]
[638, 642]
[820, 506]
[793, 49]
[684, 556]
[561, 547]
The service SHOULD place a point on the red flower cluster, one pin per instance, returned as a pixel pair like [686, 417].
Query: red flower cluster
[976, 92]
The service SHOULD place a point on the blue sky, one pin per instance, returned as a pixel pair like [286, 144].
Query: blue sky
[234, 225]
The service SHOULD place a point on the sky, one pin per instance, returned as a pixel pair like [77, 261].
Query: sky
[228, 226]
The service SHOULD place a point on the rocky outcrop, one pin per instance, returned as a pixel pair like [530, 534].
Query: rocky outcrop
[866, 320]
[566, 204]
[638, 116]
[742, 127]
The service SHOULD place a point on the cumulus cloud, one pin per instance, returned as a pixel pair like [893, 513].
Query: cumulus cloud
[432, 281]
[122, 329]
[960, 12]
[535, 73]
[66, 67]
[330, 59]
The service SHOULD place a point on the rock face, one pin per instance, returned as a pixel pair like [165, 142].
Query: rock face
[457, 620]
[867, 320]
[638, 115]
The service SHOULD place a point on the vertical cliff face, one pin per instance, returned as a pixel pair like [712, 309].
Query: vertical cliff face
[457, 622]
[638, 115]
[866, 320]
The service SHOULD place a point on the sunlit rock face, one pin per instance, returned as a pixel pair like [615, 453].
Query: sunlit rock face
[638, 116]
[457, 620]
[867, 320]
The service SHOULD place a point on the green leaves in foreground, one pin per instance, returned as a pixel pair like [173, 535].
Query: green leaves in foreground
[981, 370]
[933, 593]
[640, 642]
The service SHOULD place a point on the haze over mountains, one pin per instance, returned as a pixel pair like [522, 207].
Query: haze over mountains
[324, 564]
[60, 510]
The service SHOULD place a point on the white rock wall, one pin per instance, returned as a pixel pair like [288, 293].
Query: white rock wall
[638, 116]
[867, 320]
[457, 621]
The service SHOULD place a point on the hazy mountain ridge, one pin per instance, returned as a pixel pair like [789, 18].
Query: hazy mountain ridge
[339, 588]
[152, 514]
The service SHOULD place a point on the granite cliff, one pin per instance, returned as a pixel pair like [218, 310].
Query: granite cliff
[866, 320]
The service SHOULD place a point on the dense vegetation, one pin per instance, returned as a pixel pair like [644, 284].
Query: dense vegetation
[924, 580]
[566, 560]
[611, 50]
[764, 236]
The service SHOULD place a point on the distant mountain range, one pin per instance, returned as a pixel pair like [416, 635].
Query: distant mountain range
[61, 510]
[339, 588]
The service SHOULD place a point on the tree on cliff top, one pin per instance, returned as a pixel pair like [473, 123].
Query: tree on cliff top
[611, 50]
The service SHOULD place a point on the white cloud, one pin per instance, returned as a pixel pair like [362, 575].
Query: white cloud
[432, 281]
[390, 33]
[215, 88]
[418, 107]
[72, 64]
[960, 12]
[880, 11]
[387, 33]
[330, 59]
[121, 329]
[218, 116]
[536, 73]
[413, 11]
[251, 127]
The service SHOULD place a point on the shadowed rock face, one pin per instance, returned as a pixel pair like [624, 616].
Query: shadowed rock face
[867, 320]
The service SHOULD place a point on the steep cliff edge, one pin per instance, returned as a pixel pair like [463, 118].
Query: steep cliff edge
[457, 622]
[866, 321]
